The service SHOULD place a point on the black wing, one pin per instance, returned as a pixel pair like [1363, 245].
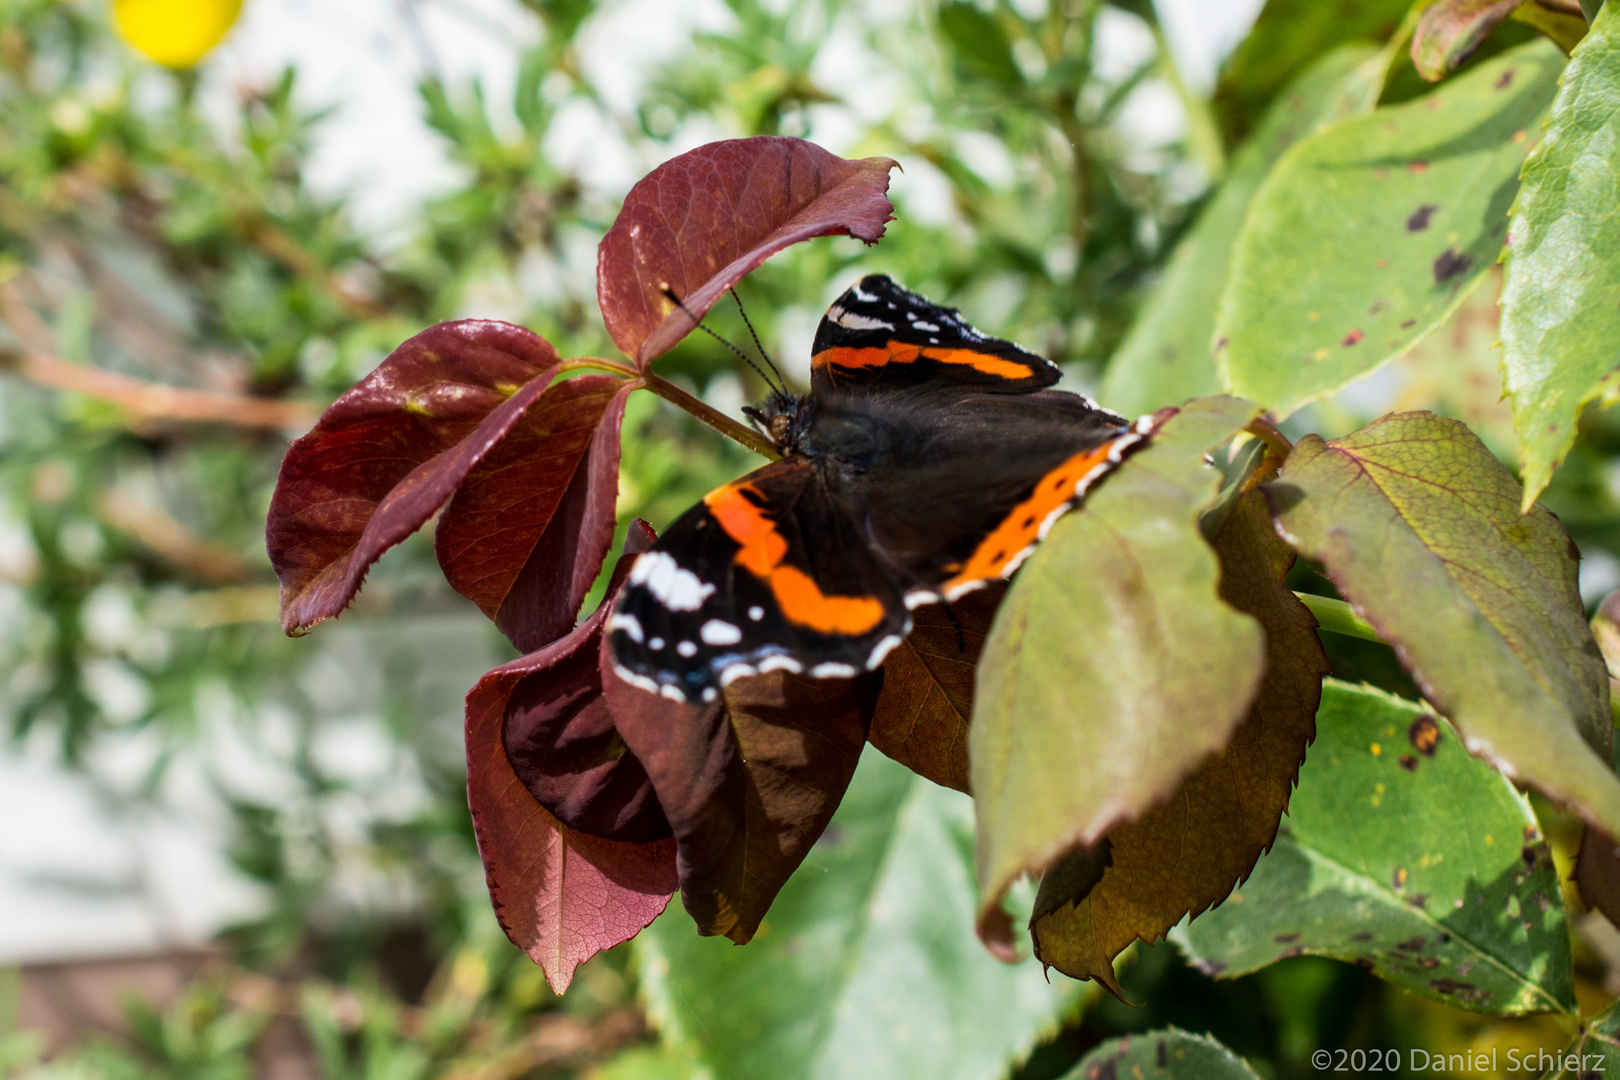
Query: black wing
[955, 489]
[878, 332]
[769, 572]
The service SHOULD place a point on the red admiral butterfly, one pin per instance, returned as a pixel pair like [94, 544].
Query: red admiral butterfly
[927, 460]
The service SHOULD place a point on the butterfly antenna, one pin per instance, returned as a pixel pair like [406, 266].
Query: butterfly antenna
[754, 334]
[697, 322]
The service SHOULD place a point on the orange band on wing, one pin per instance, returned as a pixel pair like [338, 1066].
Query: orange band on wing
[898, 352]
[1021, 528]
[762, 551]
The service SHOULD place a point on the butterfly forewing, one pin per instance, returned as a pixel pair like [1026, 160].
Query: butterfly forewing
[768, 572]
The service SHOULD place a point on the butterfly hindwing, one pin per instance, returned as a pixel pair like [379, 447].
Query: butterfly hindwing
[880, 332]
[768, 572]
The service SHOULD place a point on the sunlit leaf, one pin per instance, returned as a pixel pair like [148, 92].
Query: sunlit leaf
[391, 451]
[866, 965]
[563, 895]
[1186, 854]
[1169, 355]
[1115, 626]
[926, 704]
[1405, 855]
[1561, 299]
[525, 536]
[1419, 528]
[747, 782]
[1170, 1054]
[700, 222]
[1368, 234]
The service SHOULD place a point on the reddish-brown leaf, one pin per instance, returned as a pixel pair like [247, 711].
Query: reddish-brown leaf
[748, 782]
[1187, 854]
[388, 453]
[700, 222]
[562, 895]
[1451, 30]
[927, 699]
[525, 536]
[559, 736]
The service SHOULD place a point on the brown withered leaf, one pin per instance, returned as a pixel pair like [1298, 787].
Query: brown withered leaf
[747, 782]
[1186, 855]
[525, 536]
[700, 222]
[926, 703]
[560, 894]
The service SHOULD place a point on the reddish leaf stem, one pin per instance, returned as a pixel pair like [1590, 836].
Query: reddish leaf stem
[716, 419]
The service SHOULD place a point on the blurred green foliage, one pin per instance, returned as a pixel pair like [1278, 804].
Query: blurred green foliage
[141, 240]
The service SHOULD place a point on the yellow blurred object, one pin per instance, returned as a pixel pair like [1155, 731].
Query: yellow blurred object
[175, 33]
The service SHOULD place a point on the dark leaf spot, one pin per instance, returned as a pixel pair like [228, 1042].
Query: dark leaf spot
[1450, 264]
[1418, 167]
[1529, 856]
[1363, 936]
[1161, 1054]
[1412, 945]
[1506, 80]
[1283, 939]
[1399, 878]
[1420, 218]
[1365, 963]
[1419, 900]
[1424, 734]
[1429, 963]
[1409, 763]
[1352, 338]
[1408, 324]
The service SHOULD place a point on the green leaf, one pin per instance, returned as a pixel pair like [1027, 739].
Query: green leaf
[1419, 527]
[1597, 1048]
[980, 42]
[1561, 299]
[1187, 853]
[866, 965]
[1367, 235]
[1169, 355]
[1288, 36]
[1407, 856]
[1168, 1054]
[1113, 669]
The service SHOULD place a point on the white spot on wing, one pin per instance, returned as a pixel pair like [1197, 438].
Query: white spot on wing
[629, 624]
[719, 632]
[656, 643]
[676, 589]
[672, 692]
[780, 663]
[851, 321]
[641, 682]
[833, 671]
[863, 295]
[928, 326]
[756, 613]
[710, 693]
[686, 648]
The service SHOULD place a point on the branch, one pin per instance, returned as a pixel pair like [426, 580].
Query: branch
[141, 399]
[167, 538]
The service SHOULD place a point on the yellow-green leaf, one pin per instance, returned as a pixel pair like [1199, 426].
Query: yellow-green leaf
[1561, 298]
[1368, 234]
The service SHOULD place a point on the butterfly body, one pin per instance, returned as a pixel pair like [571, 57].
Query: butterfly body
[927, 460]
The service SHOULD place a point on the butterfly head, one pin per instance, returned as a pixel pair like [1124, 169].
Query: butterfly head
[781, 418]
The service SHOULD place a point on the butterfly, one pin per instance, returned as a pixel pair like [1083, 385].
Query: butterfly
[927, 460]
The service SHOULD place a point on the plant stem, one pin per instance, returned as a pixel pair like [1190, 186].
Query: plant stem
[1336, 617]
[1266, 432]
[716, 419]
